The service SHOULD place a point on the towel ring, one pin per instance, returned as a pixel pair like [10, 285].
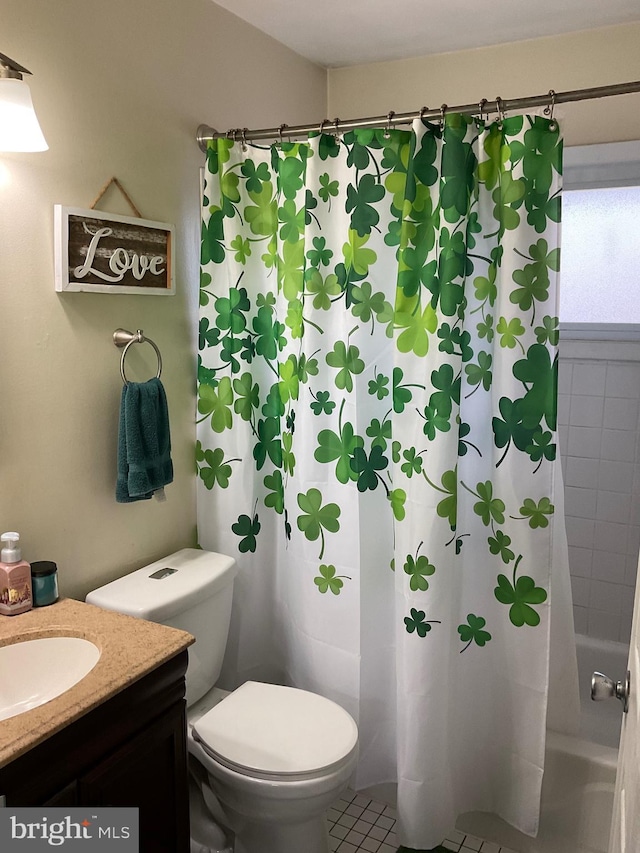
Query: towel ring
[123, 338]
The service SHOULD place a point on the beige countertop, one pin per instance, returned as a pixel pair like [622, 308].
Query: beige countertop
[130, 648]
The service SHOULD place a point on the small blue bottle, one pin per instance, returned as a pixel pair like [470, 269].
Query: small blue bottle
[44, 581]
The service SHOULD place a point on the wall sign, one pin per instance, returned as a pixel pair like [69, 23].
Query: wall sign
[105, 253]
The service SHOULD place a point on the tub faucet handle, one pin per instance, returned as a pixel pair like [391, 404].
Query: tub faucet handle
[603, 687]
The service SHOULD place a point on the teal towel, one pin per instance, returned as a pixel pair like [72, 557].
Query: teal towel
[144, 442]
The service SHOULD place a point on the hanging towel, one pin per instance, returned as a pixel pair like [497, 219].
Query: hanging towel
[144, 442]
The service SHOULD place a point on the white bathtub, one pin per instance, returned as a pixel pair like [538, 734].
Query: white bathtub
[580, 772]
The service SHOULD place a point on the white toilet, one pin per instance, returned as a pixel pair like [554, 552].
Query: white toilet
[266, 761]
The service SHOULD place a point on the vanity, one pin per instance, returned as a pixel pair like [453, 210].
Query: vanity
[118, 736]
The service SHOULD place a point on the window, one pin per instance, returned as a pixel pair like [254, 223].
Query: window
[600, 268]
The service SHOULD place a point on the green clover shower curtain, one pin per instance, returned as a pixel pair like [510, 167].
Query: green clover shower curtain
[377, 442]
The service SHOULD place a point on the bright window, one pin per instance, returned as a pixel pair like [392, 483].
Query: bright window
[600, 259]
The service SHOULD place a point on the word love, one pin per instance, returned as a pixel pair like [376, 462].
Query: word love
[119, 262]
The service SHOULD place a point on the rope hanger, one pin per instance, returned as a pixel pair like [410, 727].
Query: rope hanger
[126, 195]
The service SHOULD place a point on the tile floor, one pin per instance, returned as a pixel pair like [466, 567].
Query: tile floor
[358, 824]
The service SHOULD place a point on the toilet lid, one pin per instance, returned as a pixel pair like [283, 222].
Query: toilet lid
[269, 729]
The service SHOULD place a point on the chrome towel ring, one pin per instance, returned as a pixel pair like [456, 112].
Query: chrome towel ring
[123, 338]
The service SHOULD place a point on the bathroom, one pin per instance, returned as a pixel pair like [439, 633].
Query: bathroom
[120, 89]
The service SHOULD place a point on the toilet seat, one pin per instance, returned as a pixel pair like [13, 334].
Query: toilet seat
[270, 731]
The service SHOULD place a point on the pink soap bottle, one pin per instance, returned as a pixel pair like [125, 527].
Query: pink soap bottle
[15, 577]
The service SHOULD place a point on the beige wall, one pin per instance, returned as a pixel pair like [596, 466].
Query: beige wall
[575, 61]
[119, 87]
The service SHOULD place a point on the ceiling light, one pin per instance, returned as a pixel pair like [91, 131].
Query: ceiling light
[19, 128]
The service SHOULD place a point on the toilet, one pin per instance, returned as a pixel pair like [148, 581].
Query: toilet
[265, 760]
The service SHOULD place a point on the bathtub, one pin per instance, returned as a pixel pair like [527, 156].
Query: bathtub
[580, 772]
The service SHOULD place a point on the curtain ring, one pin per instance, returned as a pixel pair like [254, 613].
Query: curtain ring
[548, 110]
[387, 130]
[244, 138]
[230, 133]
[322, 124]
[423, 110]
[281, 131]
[443, 110]
[501, 112]
[336, 126]
[481, 106]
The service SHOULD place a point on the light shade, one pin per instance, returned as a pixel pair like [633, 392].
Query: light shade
[19, 128]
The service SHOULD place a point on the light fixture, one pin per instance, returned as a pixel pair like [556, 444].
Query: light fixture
[19, 128]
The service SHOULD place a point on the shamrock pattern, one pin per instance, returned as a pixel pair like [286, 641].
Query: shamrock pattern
[378, 324]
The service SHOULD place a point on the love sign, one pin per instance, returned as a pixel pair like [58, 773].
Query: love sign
[105, 253]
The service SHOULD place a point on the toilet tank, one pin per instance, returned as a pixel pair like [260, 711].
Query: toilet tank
[190, 590]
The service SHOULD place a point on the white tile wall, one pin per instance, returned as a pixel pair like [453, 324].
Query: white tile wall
[589, 378]
[586, 411]
[599, 425]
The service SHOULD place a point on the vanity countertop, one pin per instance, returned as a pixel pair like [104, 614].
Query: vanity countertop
[130, 649]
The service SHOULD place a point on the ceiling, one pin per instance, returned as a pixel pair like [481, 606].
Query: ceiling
[350, 32]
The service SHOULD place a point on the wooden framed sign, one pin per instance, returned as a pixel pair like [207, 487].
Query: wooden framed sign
[105, 253]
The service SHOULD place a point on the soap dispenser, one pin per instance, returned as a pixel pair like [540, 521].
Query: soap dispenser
[15, 577]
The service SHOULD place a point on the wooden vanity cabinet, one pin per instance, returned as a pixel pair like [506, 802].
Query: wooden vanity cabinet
[129, 751]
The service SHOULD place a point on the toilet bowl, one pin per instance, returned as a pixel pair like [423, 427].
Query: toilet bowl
[276, 758]
[265, 760]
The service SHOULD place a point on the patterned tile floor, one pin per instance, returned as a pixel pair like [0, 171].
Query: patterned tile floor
[358, 824]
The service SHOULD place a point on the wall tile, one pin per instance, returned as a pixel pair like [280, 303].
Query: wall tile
[617, 445]
[626, 605]
[588, 378]
[586, 411]
[583, 473]
[565, 375]
[581, 591]
[602, 625]
[564, 403]
[581, 561]
[605, 596]
[613, 506]
[622, 380]
[615, 476]
[584, 441]
[599, 441]
[631, 571]
[620, 413]
[610, 536]
[563, 442]
[580, 532]
[606, 566]
[580, 619]
[625, 629]
[581, 503]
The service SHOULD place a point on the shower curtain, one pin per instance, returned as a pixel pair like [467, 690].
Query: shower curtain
[377, 443]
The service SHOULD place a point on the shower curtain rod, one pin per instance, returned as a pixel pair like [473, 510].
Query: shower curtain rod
[499, 105]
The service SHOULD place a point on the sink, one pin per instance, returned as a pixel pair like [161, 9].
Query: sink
[33, 672]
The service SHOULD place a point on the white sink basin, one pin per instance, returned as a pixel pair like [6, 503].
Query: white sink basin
[35, 671]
